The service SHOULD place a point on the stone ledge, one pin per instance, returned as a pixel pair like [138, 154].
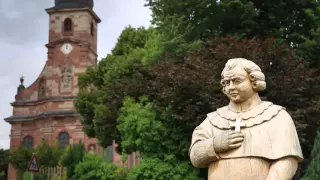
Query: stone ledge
[32, 102]
[20, 118]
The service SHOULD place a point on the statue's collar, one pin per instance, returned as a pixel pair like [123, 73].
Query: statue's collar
[258, 115]
[226, 113]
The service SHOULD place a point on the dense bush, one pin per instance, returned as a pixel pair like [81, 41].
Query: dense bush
[93, 167]
[154, 169]
[20, 158]
[72, 156]
[48, 155]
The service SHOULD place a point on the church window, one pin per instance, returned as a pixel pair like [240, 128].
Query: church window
[63, 139]
[92, 29]
[28, 141]
[67, 25]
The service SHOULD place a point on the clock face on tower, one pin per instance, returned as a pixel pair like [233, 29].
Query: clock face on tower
[66, 48]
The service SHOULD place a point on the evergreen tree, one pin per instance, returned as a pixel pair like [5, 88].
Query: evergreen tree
[313, 170]
[4, 160]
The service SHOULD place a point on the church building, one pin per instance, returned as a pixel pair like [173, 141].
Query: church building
[45, 110]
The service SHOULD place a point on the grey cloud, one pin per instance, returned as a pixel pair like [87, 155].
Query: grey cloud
[23, 21]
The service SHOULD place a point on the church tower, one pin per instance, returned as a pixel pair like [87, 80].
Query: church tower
[45, 110]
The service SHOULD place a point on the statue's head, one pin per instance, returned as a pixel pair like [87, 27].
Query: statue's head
[241, 79]
[92, 147]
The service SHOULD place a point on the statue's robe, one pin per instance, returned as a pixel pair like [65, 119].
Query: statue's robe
[269, 135]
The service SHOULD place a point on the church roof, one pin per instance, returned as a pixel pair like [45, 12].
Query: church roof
[73, 4]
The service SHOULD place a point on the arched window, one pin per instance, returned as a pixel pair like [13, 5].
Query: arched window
[63, 139]
[28, 141]
[92, 29]
[67, 25]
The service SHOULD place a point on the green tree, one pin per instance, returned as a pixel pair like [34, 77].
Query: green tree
[313, 170]
[136, 47]
[93, 167]
[20, 159]
[296, 21]
[181, 89]
[73, 156]
[48, 155]
[138, 127]
[4, 160]
[142, 129]
[291, 20]
[149, 99]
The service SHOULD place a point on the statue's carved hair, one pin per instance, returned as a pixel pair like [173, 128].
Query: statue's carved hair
[255, 74]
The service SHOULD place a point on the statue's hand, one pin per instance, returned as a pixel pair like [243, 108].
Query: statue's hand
[227, 140]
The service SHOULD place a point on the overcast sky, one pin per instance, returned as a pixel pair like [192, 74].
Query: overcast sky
[24, 32]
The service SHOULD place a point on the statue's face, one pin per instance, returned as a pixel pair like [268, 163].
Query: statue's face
[238, 86]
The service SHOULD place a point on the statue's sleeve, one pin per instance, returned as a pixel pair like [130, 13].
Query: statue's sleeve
[201, 151]
[284, 169]
[288, 148]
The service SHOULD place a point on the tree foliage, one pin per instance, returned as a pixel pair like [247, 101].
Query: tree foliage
[4, 160]
[94, 167]
[20, 158]
[128, 54]
[138, 127]
[293, 20]
[142, 129]
[313, 170]
[159, 83]
[48, 155]
[73, 155]
[180, 90]
[154, 169]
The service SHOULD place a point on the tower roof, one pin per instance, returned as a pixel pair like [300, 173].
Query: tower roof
[73, 4]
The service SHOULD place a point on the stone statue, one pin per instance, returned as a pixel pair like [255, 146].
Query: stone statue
[92, 149]
[249, 139]
[66, 79]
